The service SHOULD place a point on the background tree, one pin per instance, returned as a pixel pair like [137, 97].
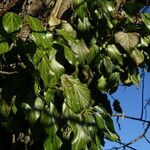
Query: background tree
[59, 62]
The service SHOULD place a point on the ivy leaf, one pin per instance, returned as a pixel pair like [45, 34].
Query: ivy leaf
[45, 71]
[4, 108]
[37, 57]
[12, 22]
[113, 80]
[80, 49]
[43, 40]
[80, 8]
[145, 18]
[77, 46]
[48, 121]
[127, 40]
[114, 54]
[39, 104]
[50, 70]
[53, 143]
[106, 65]
[100, 121]
[102, 84]
[77, 94]
[110, 133]
[68, 29]
[70, 55]
[94, 50]
[134, 77]
[32, 116]
[81, 137]
[35, 24]
[4, 47]
[105, 123]
[83, 25]
[137, 56]
[58, 70]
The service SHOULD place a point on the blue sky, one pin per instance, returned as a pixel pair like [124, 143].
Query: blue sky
[130, 98]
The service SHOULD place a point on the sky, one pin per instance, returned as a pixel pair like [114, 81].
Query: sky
[130, 98]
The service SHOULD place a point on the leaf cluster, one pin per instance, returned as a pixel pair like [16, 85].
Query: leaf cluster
[56, 71]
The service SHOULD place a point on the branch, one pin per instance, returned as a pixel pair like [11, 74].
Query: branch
[132, 118]
[136, 139]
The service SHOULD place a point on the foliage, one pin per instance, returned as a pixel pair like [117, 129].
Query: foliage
[56, 71]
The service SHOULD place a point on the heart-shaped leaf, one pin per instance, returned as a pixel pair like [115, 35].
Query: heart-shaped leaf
[77, 94]
[127, 40]
[12, 22]
[35, 24]
[81, 138]
[137, 56]
[114, 54]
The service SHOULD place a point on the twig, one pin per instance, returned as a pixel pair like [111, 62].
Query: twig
[132, 118]
[142, 108]
[115, 148]
[147, 139]
[136, 139]
[8, 73]
[139, 137]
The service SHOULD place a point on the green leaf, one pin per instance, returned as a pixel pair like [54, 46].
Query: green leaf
[70, 55]
[52, 143]
[134, 77]
[48, 121]
[4, 47]
[45, 71]
[90, 124]
[146, 19]
[105, 123]
[81, 137]
[39, 104]
[113, 80]
[67, 35]
[68, 29]
[83, 25]
[127, 40]
[49, 96]
[94, 50]
[80, 49]
[35, 24]
[37, 57]
[12, 22]
[32, 116]
[145, 41]
[97, 144]
[43, 40]
[58, 70]
[80, 8]
[102, 84]
[77, 94]
[50, 70]
[100, 121]
[137, 56]
[110, 134]
[4, 108]
[114, 54]
[106, 65]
